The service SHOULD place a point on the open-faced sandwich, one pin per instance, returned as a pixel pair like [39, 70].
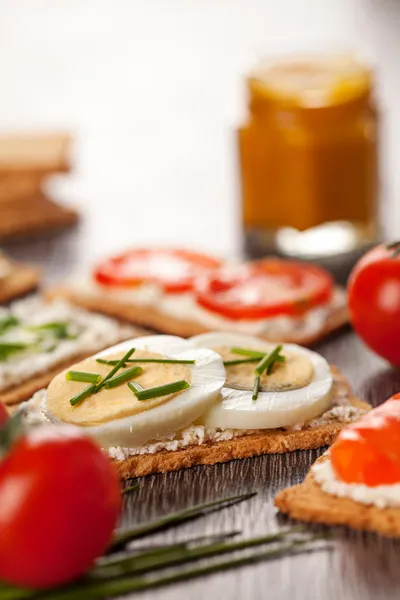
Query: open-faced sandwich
[16, 279]
[38, 339]
[357, 482]
[186, 293]
[162, 403]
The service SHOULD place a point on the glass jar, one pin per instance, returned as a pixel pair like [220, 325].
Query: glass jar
[308, 158]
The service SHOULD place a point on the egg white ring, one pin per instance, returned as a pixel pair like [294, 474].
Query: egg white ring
[207, 379]
[236, 408]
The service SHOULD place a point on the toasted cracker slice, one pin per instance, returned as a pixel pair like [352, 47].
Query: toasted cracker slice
[34, 152]
[18, 185]
[308, 502]
[21, 280]
[270, 441]
[25, 390]
[154, 319]
[31, 215]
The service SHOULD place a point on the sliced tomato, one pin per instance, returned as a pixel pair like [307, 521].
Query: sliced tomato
[264, 288]
[368, 452]
[174, 270]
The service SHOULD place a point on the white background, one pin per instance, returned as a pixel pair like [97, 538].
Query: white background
[153, 90]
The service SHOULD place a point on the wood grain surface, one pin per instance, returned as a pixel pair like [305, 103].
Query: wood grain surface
[357, 566]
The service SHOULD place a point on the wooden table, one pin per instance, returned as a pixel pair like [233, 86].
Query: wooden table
[357, 566]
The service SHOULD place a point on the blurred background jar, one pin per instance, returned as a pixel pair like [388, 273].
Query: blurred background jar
[309, 160]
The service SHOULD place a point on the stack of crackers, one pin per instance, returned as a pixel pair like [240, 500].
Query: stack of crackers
[26, 161]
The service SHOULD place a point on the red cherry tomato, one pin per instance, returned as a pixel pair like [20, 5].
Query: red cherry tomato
[173, 270]
[264, 289]
[368, 451]
[3, 414]
[374, 301]
[60, 500]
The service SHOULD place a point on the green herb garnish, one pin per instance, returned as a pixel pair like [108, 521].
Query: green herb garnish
[256, 387]
[7, 323]
[268, 361]
[82, 376]
[134, 386]
[161, 390]
[59, 329]
[88, 391]
[123, 377]
[249, 353]
[240, 361]
[102, 361]
[8, 349]
[113, 371]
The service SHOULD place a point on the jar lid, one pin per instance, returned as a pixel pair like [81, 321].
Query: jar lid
[311, 81]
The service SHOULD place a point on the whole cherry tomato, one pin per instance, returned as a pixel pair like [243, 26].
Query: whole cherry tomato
[374, 300]
[3, 414]
[60, 500]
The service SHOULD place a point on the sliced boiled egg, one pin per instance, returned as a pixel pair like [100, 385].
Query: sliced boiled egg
[295, 391]
[115, 416]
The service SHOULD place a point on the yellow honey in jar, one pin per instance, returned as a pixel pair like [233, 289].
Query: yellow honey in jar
[308, 151]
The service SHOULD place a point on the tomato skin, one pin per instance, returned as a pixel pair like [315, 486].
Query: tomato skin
[307, 286]
[374, 301]
[3, 414]
[114, 272]
[60, 499]
[368, 451]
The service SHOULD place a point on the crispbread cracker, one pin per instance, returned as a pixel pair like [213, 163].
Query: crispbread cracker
[20, 281]
[263, 442]
[34, 152]
[14, 186]
[25, 390]
[152, 318]
[33, 215]
[308, 502]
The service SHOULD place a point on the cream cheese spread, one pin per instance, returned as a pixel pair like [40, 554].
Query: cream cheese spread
[381, 496]
[90, 332]
[185, 308]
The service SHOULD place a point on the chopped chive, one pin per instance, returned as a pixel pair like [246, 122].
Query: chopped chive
[162, 390]
[240, 361]
[88, 391]
[246, 352]
[176, 518]
[134, 386]
[113, 371]
[256, 387]
[58, 328]
[82, 376]
[7, 323]
[123, 377]
[268, 361]
[8, 349]
[102, 361]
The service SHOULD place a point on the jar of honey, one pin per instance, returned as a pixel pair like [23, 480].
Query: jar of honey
[308, 158]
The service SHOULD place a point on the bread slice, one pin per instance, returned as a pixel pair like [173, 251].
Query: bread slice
[31, 215]
[308, 502]
[34, 152]
[261, 442]
[21, 280]
[152, 318]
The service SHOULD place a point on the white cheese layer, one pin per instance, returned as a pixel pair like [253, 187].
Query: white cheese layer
[381, 496]
[185, 308]
[93, 332]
